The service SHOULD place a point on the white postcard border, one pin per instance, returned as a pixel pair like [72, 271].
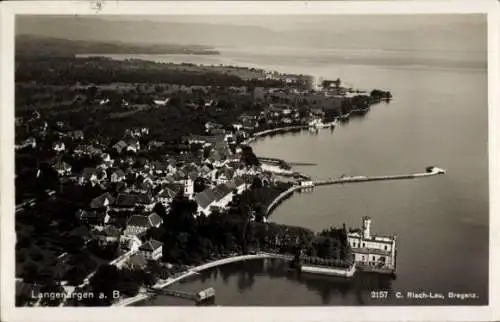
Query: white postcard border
[451, 313]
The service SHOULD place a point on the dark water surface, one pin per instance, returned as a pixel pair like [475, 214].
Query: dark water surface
[438, 117]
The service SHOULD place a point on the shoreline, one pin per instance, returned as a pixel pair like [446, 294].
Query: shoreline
[265, 133]
[142, 295]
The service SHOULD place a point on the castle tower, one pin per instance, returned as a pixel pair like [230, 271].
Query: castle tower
[366, 227]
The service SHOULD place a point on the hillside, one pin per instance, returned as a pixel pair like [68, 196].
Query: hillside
[29, 45]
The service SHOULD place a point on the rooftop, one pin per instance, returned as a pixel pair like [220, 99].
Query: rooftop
[151, 245]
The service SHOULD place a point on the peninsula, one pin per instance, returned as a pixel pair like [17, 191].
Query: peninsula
[151, 161]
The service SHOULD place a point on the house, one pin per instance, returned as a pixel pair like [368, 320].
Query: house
[161, 102]
[155, 144]
[137, 132]
[138, 224]
[104, 101]
[109, 234]
[151, 250]
[166, 196]
[209, 126]
[223, 175]
[160, 167]
[59, 146]
[146, 200]
[120, 146]
[106, 159]
[76, 135]
[117, 176]
[217, 132]
[223, 195]
[103, 201]
[125, 201]
[237, 126]
[62, 168]
[133, 145]
[87, 150]
[92, 218]
[239, 184]
[88, 175]
[209, 104]
[205, 200]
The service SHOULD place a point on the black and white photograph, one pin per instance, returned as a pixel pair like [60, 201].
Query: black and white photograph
[249, 160]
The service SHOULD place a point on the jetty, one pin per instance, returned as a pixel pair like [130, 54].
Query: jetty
[264, 133]
[308, 184]
[431, 171]
[198, 297]
[283, 163]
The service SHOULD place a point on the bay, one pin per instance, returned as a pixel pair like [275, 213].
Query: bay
[439, 116]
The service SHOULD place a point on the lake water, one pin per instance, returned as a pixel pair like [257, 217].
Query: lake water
[438, 116]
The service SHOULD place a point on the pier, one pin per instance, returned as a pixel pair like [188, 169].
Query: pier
[310, 184]
[348, 179]
[199, 297]
[286, 164]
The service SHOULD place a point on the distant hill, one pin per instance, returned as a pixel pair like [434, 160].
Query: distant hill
[429, 34]
[30, 45]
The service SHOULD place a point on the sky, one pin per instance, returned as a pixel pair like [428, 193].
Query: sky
[321, 22]
[391, 32]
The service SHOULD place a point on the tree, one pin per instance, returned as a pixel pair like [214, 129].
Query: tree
[256, 183]
[199, 185]
[73, 244]
[105, 280]
[159, 208]
[30, 272]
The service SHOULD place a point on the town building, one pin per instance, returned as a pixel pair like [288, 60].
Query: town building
[138, 224]
[151, 250]
[59, 147]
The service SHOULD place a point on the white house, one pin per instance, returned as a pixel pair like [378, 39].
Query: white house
[161, 102]
[62, 168]
[104, 101]
[117, 176]
[237, 126]
[151, 250]
[166, 196]
[133, 145]
[59, 147]
[106, 159]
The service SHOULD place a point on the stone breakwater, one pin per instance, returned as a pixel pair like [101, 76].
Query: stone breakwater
[309, 184]
[272, 131]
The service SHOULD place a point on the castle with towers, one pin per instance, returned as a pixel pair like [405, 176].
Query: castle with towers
[374, 253]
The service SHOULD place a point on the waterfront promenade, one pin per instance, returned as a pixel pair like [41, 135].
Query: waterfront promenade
[275, 130]
[143, 293]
